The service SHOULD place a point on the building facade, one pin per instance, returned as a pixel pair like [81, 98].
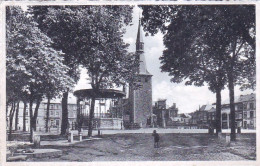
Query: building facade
[160, 110]
[165, 116]
[55, 117]
[245, 112]
[204, 117]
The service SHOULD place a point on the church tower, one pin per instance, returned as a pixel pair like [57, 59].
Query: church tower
[141, 98]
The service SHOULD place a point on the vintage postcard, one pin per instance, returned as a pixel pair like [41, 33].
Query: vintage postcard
[139, 82]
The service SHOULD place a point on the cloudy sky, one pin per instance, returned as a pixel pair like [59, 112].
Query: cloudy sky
[187, 98]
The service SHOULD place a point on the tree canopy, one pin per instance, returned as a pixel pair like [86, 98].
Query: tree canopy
[196, 37]
[211, 43]
[34, 68]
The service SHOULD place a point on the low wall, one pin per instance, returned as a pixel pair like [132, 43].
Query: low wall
[111, 123]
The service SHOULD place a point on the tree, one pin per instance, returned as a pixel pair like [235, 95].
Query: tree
[24, 115]
[91, 36]
[55, 88]
[16, 116]
[200, 41]
[107, 61]
[58, 23]
[31, 63]
[239, 30]
[15, 73]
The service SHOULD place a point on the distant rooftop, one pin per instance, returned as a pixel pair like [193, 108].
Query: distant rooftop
[161, 99]
[185, 115]
[242, 98]
[207, 107]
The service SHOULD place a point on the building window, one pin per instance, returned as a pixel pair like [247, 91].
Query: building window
[52, 113]
[52, 122]
[57, 122]
[236, 115]
[251, 114]
[57, 113]
[224, 125]
[245, 114]
[26, 112]
[240, 107]
[146, 79]
[240, 116]
[51, 106]
[251, 106]
[245, 106]
[245, 124]
[224, 116]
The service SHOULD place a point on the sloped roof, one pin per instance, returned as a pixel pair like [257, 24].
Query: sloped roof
[184, 115]
[142, 62]
[207, 107]
[242, 98]
[213, 109]
[249, 97]
[142, 66]
[202, 108]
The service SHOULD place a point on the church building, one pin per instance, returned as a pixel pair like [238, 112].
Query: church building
[140, 99]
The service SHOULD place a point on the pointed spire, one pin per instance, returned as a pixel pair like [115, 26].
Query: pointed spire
[139, 38]
[140, 50]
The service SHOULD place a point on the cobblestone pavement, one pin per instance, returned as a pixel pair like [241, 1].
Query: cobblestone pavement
[173, 147]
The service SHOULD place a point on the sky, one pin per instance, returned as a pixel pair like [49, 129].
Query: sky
[187, 98]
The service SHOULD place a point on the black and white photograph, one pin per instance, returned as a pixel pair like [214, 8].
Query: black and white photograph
[129, 82]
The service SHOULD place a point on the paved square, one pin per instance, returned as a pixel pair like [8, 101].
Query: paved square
[173, 147]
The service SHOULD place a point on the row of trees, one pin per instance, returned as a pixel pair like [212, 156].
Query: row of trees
[34, 69]
[47, 44]
[207, 44]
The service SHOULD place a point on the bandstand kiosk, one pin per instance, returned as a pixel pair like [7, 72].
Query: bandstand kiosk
[106, 119]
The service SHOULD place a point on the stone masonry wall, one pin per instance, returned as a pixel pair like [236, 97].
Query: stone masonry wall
[143, 101]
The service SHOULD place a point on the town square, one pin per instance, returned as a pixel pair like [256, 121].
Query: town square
[89, 83]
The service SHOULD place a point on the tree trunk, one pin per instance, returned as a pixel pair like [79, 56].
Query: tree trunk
[36, 113]
[218, 110]
[11, 115]
[232, 105]
[64, 122]
[16, 116]
[6, 115]
[24, 115]
[31, 119]
[78, 116]
[91, 116]
[47, 114]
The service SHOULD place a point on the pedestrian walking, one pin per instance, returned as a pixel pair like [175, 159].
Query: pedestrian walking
[156, 139]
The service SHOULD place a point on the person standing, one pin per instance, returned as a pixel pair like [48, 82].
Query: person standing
[156, 139]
